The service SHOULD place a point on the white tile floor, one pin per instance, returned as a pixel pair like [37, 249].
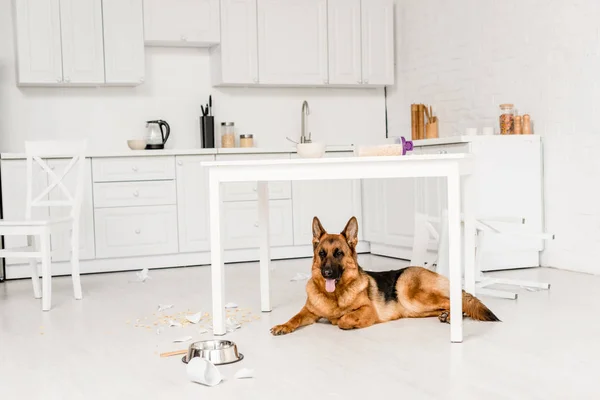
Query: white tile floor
[548, 346]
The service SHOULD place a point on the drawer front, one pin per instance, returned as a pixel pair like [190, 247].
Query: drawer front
[133, 168]
[124, 194]
[455, 148]
[136, 231]
[245, 191]
[241, 224]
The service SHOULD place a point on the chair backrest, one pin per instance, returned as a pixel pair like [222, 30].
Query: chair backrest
[73, 197]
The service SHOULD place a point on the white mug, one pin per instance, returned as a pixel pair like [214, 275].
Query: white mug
[203, 371]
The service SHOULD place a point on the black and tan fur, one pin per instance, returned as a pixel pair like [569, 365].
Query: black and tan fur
[361, 298]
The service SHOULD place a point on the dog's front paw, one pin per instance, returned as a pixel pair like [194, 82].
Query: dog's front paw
[279, 330]
[348, 322]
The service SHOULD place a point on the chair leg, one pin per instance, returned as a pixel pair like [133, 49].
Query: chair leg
[46, 272]
[75, 263]
[35, 278]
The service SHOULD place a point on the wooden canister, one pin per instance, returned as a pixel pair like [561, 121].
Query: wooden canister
[518, 125]
[526, 124]
[414, 116]
[421, 121]
[431, 129]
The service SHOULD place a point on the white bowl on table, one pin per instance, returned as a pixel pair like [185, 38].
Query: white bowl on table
[136, 144]
[310, 150]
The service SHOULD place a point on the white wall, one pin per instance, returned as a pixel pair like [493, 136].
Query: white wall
[177, 83]
[465, 57]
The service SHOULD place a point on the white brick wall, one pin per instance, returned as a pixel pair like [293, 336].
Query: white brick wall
[465, 57]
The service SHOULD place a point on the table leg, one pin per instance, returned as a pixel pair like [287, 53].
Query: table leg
[265, 248]
[216, 256]
[469, 233]
[454, 265]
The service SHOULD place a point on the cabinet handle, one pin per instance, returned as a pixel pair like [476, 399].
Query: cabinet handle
[59, 79]
[359, 81]
[255, 189]
[137, 231]
[325, 80]
[141, 79]
[136, 193]
[184, 38]
[255, 80]
[256, 224]
[366, 81]
[67, 79]
[443, 152]
[179, 162]
[134, 168]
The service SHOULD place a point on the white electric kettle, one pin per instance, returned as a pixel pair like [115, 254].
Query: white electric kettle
[156, 137]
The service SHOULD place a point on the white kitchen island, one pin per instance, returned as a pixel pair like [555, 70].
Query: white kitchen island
[451, 167]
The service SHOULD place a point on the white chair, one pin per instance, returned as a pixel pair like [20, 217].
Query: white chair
[38, 232]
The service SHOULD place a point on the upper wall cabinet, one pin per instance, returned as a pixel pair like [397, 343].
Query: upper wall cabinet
[181, 23]
[66, 42]
[292, 42]
[330, 43]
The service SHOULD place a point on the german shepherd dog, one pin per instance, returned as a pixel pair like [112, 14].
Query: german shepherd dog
[340, 291]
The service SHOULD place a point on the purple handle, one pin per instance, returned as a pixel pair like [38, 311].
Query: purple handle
[407, 145]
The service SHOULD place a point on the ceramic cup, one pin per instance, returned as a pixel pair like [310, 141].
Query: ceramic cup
[203, 371]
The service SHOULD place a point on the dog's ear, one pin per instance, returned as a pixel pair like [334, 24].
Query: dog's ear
[350, 232]
[318, 231]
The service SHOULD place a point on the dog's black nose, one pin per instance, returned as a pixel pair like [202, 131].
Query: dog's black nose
[327, 272]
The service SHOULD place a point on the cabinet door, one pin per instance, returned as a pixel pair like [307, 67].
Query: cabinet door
[14, 194]
[240, 224]
[181, 22]
[344, 35]
[39, 54]
[61, 243]
[123, 41]
[82, 42]
[239, 43]
[192, 204]
[333, 202]
[373, 210]
[292, 38]
[378, 42]
[399, 198]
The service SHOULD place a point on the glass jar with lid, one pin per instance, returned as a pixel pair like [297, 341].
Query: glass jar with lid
[227, 134]
[507, 119]
[247, 140]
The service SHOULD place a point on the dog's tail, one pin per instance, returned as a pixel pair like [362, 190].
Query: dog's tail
[475, 309]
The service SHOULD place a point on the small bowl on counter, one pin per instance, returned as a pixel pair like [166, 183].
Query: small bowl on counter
[310, 150]
[136, 144]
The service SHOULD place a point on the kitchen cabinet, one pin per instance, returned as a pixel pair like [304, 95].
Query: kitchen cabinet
[344, 39]
[124, 58]
[61, 243]
[235, 60]
[333, 202]
[377, 22]
[292, 42]
[181, 23]
[38, 42]
[240, 224]
[192, 203]
[82, 41]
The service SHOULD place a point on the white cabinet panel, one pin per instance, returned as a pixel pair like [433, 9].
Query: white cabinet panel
[240, 224]
[82, 42]
[235, 61]
[124, 58]
[181, 22]
[133, 168]
[38, 42]
[344, 33]
[399, 198]
[127, 194]
[333, 202]
[14, 195]
[378, 42]
[192, 203]
[292, 42]
[136, 231]
[61, 243]
[373, 210]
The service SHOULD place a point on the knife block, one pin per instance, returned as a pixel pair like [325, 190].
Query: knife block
[207, 130]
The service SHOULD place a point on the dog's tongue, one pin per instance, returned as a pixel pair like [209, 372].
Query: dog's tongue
[330, 285]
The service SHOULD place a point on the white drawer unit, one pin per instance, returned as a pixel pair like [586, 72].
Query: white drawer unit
[126, 194]
[240, 224]
[136, 231]
[133, 168]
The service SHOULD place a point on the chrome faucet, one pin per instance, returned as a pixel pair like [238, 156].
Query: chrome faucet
[304, 116]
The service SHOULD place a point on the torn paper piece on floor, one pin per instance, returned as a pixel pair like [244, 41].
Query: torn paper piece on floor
[159, 330]
[232, 324]
[143, 275]
[203, 371]
[182, 339]
[300, 276]
[174, 323]
[231, 305]
[194, 318]
[202, 331]
[244, 373]
[163, 307]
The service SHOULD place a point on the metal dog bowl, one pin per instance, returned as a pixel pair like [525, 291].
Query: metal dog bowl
[218, 352]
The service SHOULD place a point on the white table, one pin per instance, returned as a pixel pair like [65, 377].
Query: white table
[453, 167]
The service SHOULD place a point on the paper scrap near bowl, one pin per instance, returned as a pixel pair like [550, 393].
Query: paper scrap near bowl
[203, 371]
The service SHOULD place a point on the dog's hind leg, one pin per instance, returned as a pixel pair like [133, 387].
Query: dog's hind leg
[303, 318]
